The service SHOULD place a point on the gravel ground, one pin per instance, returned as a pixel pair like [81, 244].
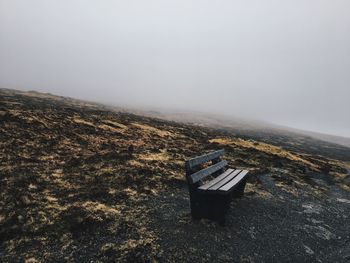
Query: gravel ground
[268, 224]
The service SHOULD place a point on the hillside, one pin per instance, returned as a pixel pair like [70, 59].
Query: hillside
[83, 183]
[312, 142]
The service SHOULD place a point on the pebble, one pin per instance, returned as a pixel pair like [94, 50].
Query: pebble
[309, 250]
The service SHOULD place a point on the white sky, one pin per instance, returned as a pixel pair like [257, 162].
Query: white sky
[286, 62]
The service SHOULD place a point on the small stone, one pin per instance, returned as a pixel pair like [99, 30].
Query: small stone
[343, 200]
[25, 200]
[160, 254]
[31, 260]
[309, 250]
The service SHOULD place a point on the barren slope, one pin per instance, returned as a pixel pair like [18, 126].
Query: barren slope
[80, 183]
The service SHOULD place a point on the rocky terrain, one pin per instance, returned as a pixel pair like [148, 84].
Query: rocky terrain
[80, 182]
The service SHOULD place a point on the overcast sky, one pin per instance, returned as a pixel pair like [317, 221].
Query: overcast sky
[287, 62]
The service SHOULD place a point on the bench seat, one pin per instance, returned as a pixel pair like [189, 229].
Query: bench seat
[224, 183]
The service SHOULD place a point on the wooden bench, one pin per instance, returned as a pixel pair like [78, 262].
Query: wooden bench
[211, 198]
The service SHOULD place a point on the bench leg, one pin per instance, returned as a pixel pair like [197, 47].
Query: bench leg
[239, 191]
[213, 207]
[196, 206]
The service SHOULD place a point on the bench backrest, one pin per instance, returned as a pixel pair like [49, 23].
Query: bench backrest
[194, 176]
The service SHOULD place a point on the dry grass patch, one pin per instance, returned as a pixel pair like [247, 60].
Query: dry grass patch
[134, 163]
[115, 124]
[152, 130]
[110, 128]
[162, 156]
[263, 147]
[289, 189]
[84, 122]
[96, 207]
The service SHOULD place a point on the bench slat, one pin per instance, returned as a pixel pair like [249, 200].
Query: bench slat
[203, 158]
[216, 180]
[225, 180]
[207, 171]
[233, 182]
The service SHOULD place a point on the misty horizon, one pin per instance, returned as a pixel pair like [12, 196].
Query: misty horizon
[282, 63]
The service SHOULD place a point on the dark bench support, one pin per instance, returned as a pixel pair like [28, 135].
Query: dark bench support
[212, 199]
[210, 206]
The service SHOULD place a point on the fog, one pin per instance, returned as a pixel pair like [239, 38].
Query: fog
[286, 62]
